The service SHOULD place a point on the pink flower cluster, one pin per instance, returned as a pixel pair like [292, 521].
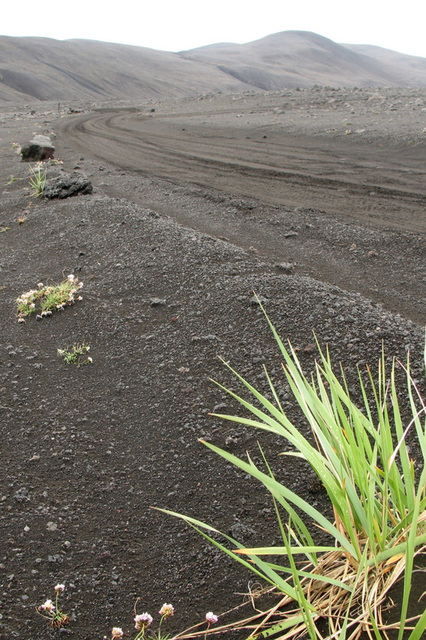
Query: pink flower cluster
[167, 610]
[211, 618]
[142, 621]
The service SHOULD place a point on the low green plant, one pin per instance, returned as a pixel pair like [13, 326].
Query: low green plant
[46, 299]
[379, 526]
[51, 612]
[76, 354]
[38, 177]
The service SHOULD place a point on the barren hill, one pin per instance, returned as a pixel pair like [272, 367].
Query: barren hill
[47, 69]
[299, 58]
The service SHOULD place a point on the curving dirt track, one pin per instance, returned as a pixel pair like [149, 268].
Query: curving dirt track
[258, 169]
[373, 184]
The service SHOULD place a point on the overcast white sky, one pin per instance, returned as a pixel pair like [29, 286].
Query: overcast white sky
[176, 25]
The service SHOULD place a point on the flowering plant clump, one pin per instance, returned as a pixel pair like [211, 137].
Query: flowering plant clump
[76, 354]
[52, 612]
[46, 299]
[144, 620]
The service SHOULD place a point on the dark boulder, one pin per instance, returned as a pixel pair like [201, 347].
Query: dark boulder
[63, 185]
[40, 148]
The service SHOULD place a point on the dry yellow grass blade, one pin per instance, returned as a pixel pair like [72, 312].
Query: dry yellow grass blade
[367, 600]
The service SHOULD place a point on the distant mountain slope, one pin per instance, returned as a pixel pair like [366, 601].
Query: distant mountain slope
[46, 69]
[301, 58]
[408, 69]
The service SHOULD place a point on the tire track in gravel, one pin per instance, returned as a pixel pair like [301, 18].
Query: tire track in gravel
[218, 181]
[358, 183]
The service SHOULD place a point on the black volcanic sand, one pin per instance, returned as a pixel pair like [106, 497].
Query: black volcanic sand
[193, 210]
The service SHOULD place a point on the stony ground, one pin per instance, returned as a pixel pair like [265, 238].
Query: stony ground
[169, 265]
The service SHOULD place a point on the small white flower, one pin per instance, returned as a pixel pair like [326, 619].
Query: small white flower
[59, 587]
[167, 610]
[21, 320]
[48, 606]
[71, 277]
[211, 618]
[90, 360]
[142, 621]
[117, 632]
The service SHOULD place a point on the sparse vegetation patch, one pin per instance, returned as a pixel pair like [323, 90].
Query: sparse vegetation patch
[46, 299]
[51, 612]
[76, 354]
[38, 177]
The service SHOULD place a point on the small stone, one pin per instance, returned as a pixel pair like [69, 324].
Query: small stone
[255, 301]
[157, 302]
[22, 494]
[241, 530]
[285, 267]
[309, 348]
[54, 558]
[220, 407]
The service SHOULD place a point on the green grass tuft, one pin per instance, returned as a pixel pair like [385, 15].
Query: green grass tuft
[378, 502]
